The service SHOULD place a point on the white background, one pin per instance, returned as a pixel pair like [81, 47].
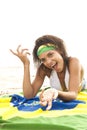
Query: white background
[23, 21]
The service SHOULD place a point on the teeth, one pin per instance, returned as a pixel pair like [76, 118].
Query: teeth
[52, 66]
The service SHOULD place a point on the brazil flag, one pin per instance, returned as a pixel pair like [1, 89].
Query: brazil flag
[19, 113]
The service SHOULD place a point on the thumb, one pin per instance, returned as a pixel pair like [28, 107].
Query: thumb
[55, 95]
[41, 94]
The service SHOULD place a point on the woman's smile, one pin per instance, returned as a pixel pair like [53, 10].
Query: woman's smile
[52, 59]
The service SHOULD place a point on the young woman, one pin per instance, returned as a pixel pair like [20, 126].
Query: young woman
[65, 73]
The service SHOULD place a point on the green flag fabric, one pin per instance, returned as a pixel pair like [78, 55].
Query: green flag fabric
[19, 113]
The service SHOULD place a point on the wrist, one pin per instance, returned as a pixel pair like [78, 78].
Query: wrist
[26, 64]
[59, 93]
[56, 93]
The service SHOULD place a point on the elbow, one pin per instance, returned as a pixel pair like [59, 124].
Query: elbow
[28, 96]
[73, 95]
[67, 96]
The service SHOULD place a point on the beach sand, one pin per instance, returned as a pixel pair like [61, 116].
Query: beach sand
[11, 79]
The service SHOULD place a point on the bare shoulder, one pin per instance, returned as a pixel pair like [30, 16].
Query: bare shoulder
[74, 64]
[75, 67]
[74, 60]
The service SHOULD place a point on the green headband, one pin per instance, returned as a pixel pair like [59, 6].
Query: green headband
[44, 48]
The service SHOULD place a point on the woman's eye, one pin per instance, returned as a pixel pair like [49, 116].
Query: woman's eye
[50, 54]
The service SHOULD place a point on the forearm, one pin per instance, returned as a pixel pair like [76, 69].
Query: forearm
[67, 96]
[27, 87]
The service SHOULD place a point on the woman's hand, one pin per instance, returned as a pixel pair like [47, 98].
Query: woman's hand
[47, 96]
[22, 54]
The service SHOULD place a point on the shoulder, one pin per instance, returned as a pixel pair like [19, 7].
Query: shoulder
[74, 64]
[74, 60]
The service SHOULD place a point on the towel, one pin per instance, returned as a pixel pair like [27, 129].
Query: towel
[19, 113]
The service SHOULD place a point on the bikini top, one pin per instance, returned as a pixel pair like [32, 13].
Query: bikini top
[55, 82]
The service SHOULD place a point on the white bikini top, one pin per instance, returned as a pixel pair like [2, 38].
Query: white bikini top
[54, 80]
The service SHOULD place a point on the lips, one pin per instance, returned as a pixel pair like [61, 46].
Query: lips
[54, 66]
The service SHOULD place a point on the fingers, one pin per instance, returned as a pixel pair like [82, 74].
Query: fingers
[22, 54]
[45, 99]
[18, 48]
[13, 52]
[20, 51]
[49, 105]
[16, 53]
[41, 94]
[47, 96]
[43, 103]
[55, 95]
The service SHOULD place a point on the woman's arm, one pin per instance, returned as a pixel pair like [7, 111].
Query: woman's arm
[29, 89]
[75, 70]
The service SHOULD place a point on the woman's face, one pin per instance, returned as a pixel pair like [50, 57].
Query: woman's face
[53, 60]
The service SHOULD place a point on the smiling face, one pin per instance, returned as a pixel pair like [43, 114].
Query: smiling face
[53, 60]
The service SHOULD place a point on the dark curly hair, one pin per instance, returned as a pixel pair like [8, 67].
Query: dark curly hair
[57, 42]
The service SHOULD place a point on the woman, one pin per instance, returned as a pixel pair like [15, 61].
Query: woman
[65, 73]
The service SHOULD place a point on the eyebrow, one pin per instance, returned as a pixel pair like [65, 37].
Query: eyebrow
[47, 54]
